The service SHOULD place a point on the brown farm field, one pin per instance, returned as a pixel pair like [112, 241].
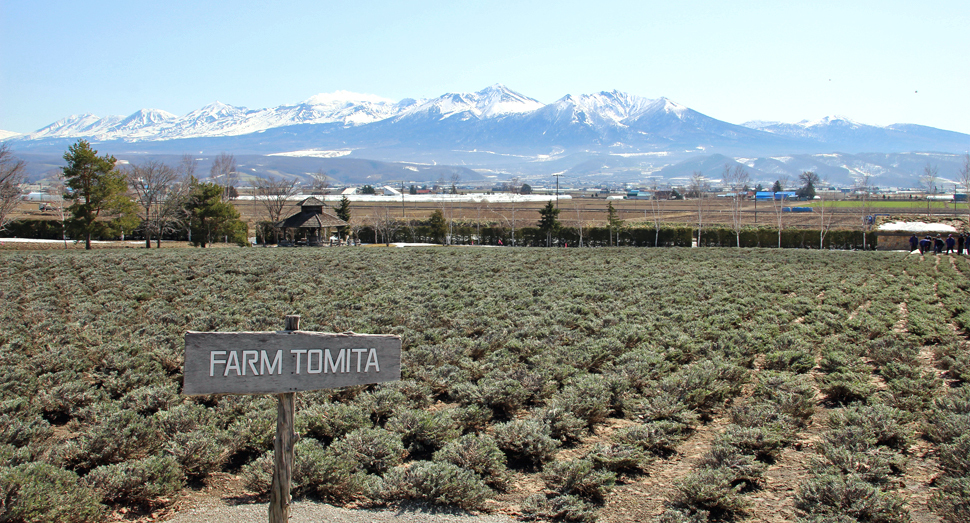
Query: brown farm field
[669, 385]
[592, 212]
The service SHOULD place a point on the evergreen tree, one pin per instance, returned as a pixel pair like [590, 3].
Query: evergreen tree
[549, 221]
[526, 189]
[367, 189]
[97, 191]
[343, 212]
[614, 223]
[211, 216]
[438, 225]
[777, 186]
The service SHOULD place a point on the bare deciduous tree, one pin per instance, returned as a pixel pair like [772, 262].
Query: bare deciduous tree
[384, 224]
[965, 180]
[158, 194]
[864, 188]
[455, 178]
[737, 181]
[778, 199]
[927, 181]
[579, 222]
[223, 172]
[13, 172]
[272, 195]
[824, 219]
[698, 188]
[321, 182]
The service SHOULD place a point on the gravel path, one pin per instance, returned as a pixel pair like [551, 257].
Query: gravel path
[311, 512]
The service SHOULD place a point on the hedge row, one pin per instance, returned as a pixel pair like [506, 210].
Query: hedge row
[633, 237]
[566, 236]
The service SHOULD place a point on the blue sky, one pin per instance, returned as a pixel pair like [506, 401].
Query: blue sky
[875, 62]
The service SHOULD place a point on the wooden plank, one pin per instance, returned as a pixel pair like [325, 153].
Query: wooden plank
[284, 361]
[286, 438]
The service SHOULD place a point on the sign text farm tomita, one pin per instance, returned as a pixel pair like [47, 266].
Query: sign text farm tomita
[286, 361]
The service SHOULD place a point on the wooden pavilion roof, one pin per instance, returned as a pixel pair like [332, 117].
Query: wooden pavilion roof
[311, 219]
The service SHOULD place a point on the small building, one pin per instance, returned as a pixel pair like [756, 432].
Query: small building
[311, 224]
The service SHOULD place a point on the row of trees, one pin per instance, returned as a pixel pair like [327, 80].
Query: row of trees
[152, 197]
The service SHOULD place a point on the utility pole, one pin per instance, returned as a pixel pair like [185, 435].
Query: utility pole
[557, 188]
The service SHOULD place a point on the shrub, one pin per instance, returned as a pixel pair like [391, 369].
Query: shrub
[705, 384]
[478, 453]
[847, 387]
[374, 450]
[949, 416]
[472, 418]
[334, 477]
[798, 361]
[663, 406]
[437, 482]
[39, 493]
[873, 465]
[328, 421]
[18, 432]
[526, 443]
[659, 437]
[199, 452]
[119, 436]
[952, 500]
[578, 478]
[955, 457]
[587, 398]
[140, 482]
[563, 425]
[382, 403]
[884, 424]
[619, 458]
[764, 415]
[503, 396]
[423, 432]
[709, 490]
[833, 495]
[746, 472]
[257, 475]
[763, 444]
[791, 393]
[557, 508]
[676, 515]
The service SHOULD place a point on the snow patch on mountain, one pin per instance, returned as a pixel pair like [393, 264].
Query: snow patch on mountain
[7, 134]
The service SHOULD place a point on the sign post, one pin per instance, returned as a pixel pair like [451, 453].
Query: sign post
[283, 363]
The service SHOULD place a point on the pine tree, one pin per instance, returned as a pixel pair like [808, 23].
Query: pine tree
[211, 216]
[614, 223]
[438, 225]
[98, 192]
[549, 221]
[343, 212]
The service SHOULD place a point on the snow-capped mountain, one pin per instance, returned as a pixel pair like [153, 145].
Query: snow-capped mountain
[848, 135]
[7, 134]
[496, 120]
[496, 101]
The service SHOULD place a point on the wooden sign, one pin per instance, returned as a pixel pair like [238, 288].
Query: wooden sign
[286, 361]
[282, 363]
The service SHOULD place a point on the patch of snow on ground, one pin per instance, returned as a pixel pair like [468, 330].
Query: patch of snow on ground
[917, 227]
[314, 154]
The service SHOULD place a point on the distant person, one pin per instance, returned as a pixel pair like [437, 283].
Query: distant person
[950, 243]
[938, 245]
[913, 243]
[961, 239]
[924, 245]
